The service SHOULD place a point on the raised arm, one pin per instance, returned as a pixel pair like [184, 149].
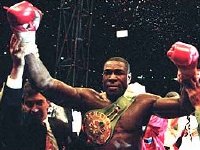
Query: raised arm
[14, 81]
[24, 20]
[10, 106]
[41, 78]
[80, 98]
[185, 57]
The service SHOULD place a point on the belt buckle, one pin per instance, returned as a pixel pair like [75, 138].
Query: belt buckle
[97, 126]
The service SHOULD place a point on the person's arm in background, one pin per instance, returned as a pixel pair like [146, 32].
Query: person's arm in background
[10, 106]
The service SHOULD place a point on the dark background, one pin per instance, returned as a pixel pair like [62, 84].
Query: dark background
[153, 26]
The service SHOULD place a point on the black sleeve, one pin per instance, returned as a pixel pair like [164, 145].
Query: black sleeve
[10, 117]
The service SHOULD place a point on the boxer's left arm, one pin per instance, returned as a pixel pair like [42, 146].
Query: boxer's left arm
[185, 57]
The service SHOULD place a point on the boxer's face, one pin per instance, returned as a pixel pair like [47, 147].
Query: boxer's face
[37, 105]
[115, 79]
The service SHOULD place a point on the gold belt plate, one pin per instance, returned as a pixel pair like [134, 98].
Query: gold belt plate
[97, 126]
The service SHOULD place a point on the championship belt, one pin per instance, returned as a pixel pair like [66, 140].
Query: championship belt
[99, 124]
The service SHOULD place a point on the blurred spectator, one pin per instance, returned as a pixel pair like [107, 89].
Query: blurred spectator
[187, 136]
[154, 134]
[26, 124]
[171, 133]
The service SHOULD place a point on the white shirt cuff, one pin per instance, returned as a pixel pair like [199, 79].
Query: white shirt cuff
[14, 83]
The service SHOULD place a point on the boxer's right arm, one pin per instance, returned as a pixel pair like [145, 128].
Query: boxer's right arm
[41, 78]
[38, 73]
[24, 20]
[62, 93]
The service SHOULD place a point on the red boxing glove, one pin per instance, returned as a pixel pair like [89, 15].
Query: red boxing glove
[185, 57]
[23, 17]
[24, 20]
[183, 54]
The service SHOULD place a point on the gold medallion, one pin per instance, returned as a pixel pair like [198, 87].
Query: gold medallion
[97, 126]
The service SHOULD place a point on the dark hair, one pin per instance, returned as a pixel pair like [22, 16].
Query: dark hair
[120, 59]
[28, 89]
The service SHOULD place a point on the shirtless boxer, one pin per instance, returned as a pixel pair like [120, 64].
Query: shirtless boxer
[112, 119]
